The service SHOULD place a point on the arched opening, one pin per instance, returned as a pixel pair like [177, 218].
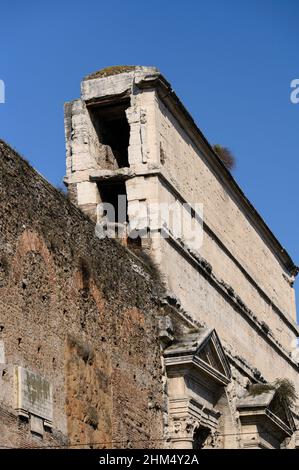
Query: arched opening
[200, 437]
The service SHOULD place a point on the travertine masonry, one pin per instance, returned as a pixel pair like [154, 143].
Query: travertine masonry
[156, 341]
[234, 276]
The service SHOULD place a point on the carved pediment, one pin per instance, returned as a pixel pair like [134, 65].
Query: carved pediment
[269, 411]
[197, 371]
[201, 350]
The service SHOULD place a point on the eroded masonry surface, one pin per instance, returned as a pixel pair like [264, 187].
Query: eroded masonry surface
[149, 341]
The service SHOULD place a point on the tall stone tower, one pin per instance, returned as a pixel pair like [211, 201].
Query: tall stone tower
[129, 137]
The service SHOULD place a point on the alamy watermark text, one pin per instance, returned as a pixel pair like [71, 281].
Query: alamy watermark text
[2, 92]
[294, 96]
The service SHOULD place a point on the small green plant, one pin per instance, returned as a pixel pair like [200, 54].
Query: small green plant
[4, 265]
[62, 191]
[4, 269]
[92, 417]
[225, 156]
[84, 350]
[85, 269]
[284, 390]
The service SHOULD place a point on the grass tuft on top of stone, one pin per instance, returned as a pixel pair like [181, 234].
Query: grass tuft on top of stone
[108, 71]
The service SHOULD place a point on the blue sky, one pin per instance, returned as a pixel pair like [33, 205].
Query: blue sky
[231, 62]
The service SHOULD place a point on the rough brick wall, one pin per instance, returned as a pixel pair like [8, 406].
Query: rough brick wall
[79, 311]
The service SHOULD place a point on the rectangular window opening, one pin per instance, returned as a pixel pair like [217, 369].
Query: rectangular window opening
[115, 194]
[113, 131]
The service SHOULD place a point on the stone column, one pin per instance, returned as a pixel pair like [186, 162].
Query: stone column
[182, 432]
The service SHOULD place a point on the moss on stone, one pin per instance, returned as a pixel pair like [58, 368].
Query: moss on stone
[108, 71]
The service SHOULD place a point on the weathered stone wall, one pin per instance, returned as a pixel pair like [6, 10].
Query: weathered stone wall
[230, 270]
[189, 171]
[81, 313]
[257, 317]
[249, 296]
[240, 259]
[242, 334]
[82, 147]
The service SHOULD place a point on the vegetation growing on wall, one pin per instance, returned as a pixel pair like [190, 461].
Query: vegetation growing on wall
[225, 156]
[285, 390]
[112, 70]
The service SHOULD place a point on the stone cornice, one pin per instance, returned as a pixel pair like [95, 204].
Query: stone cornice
[266, 414]
[284, 316]
[176, 107]
[127, 173]
[198, 363]
[240, 363]
[235, 301]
